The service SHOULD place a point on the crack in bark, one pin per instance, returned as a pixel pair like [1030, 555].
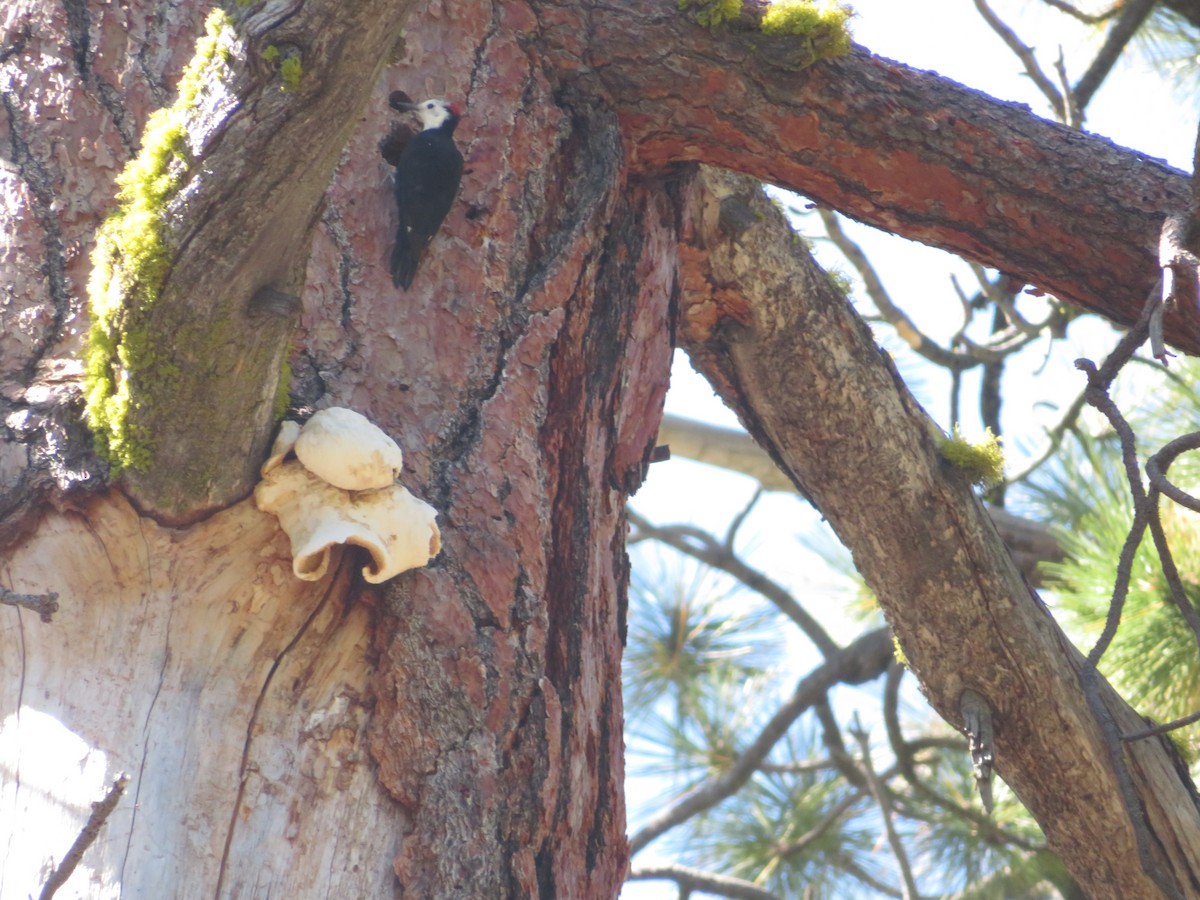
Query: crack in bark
[335, 583]
[39, 180]
[16, 769]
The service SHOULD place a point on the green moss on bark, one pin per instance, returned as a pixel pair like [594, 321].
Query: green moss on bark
[821, 26]
[124, 362]
[711, 13]
[982, 464]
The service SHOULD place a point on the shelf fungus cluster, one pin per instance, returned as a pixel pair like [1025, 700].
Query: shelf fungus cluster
[333, 481]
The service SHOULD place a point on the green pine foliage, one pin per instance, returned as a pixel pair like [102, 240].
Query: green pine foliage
[691, 635]
[1153, 659]
[1170, 43]
[771, 833]
[704, 670]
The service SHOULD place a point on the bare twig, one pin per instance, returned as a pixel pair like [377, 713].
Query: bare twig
[883, 799]
[704, 547]
[831, 818]
[100, 813]
[1157, 465]
[1073, 117]
[690, 879]
[45, 605]
[1156, 468]
[1025, 54]
[831, 734]
[740, 518]
[850, 865]
[797, 768]
[1099, 381]
[1132, 14]
[1003, 298]
[889, 311]
[1162, 729]
[863, 660]
[1097, 396]
[1054, 439]
[1079, 14]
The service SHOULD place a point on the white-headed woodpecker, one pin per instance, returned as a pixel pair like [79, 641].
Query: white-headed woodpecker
[427, 176]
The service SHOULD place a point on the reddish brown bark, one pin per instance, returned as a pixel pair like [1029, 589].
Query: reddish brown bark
[904, 150]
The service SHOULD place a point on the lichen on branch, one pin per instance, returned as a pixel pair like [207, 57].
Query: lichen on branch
[820, 25]
[982, 463]
[132, 259]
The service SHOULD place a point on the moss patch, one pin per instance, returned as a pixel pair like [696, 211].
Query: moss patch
[981, 463]
[122, 361]
[898, 652]
[711, 13]
[291, 71]
[283, 392]
[287, 63]
[822, 26]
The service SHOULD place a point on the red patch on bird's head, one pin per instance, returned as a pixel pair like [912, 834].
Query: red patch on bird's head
[456, 109]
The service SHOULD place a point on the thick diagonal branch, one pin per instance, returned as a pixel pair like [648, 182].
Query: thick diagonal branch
[762, 322]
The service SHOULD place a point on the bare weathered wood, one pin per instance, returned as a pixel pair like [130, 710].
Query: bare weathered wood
[793, 358]
[234, 695]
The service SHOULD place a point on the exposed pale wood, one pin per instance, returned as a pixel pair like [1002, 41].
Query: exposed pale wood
[234, 695]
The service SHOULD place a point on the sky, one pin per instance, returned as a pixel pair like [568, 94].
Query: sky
[1133, 109]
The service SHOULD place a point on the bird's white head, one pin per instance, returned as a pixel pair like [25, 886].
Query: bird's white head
[434, 113]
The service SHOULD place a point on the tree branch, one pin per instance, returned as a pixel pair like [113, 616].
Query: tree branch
[1131, 17]
[701, 546]
[1029, 542]
[863, 660]
[690, 879]
[879, 792]
[903, 150]
[45, 605]
[1025, 54]
[804, 374]
[100, 813]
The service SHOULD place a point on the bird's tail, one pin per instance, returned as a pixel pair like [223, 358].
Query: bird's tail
[404, 261]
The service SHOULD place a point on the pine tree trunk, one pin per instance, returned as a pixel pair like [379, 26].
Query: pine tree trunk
[455, 734]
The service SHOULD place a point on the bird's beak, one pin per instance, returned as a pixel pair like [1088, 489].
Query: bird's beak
[402, 106]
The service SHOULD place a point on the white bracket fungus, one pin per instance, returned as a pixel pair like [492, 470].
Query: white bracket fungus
[333, 481]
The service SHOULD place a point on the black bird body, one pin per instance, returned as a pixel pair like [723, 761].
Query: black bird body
[428, 173]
